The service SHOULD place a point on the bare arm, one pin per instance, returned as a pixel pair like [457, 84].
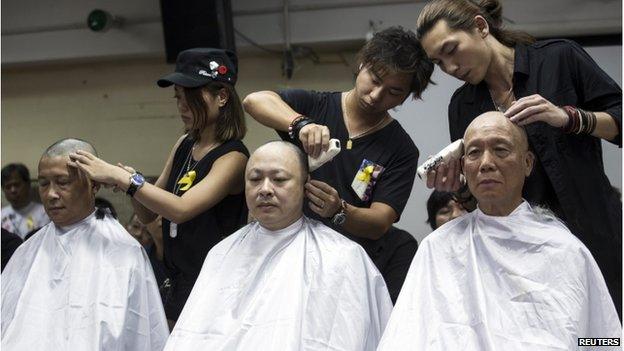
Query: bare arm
[225, 177]
[606, 127]
[371, 223]
[268, 108]
[144, 214]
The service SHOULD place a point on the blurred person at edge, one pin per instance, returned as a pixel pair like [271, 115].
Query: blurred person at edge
[22, 216]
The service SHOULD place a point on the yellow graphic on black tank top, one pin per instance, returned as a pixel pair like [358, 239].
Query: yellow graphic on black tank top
[187, 181]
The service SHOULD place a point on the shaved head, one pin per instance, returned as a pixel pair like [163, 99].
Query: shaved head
[279, 147]
[67, 194]
[498, 120]
[66, 146]
[496, 162]
[274, 184]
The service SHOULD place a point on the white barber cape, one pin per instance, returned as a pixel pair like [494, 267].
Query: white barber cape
[305, 287]
[88, 286]
[520, 282]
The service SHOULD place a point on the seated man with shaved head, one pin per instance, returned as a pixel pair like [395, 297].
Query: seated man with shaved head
[81, 282]
[284, 282]
[508, 276]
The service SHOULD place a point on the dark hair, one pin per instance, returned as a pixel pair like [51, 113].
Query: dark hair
[102, 203]
[18, 168]
[230, 124]
[436, 201]
[398, 51]
[460, 15]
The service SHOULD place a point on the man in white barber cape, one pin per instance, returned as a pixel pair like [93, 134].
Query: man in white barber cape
[81, 282]
[284, 282]
[508, 276]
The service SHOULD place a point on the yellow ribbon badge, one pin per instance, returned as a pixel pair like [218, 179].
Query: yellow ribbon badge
[365, 174]
[187, 180]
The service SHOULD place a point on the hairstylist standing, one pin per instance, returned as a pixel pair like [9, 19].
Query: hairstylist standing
[553, 88]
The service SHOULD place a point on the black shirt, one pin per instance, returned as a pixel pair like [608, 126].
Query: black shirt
[185, 254]
[569, 174]
[391, 148]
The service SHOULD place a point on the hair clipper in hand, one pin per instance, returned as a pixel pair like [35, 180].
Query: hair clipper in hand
[452, 151]
[325, 156]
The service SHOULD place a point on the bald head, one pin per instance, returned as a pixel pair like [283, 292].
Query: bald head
[66, 146]
[274, 184]
[496, 162]
[287, 150]
[497, 120]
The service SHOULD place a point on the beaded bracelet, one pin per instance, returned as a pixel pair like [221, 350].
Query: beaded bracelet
[579, 121]
[291, 127]
[296, 125]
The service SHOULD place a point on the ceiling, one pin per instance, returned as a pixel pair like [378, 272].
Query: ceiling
[53, 30]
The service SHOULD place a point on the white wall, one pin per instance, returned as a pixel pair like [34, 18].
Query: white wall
[426, 122]
[118, 107]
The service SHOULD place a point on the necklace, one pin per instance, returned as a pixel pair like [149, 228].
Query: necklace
[501, 107]
[346, 119]
[189, 166]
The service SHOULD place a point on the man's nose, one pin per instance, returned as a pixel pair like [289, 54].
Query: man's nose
[52, 192]
[266, 188]
[487, 162]
[375, 94]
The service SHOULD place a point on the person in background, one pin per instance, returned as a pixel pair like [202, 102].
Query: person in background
[150, 237]
[442, 208]
[10, 243]
[22, 216]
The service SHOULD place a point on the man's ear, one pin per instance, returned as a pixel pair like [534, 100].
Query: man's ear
[482, 26]
[95, 186]
[529, 161]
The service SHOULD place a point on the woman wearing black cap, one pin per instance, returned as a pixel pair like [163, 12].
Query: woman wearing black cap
[200, 192]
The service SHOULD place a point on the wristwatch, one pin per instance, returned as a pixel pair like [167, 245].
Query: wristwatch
[340, 217]
[136, 182]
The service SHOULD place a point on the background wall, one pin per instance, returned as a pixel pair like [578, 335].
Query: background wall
[117, 106]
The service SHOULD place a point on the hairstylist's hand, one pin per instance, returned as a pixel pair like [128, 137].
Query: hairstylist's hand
[324, 199]
[535, 108]
[314, 138]
[446, 177]
[99, 170]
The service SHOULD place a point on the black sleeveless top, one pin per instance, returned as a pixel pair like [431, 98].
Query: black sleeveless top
[185, 254]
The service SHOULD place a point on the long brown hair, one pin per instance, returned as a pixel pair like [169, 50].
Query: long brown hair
[230, 124]
[460, 15]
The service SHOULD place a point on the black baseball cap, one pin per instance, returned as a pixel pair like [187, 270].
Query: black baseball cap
[200, 66]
